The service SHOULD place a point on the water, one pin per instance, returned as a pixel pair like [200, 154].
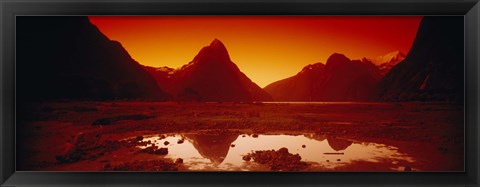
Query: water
[224, 151]
[312, 103]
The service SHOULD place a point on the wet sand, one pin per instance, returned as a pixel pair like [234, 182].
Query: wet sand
[129, 136]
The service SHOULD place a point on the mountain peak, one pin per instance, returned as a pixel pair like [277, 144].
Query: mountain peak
[311, 67]
[216, 42]
[392, 57]
[216, 51]
[337, 58]
[386, 62]
[217, 45]
[395, 54]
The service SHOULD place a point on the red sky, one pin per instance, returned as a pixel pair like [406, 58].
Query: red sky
[265, 48]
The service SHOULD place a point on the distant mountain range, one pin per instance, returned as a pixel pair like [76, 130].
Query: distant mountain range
[210, 76]
[68, 58]
[341, 79]
[432, 71]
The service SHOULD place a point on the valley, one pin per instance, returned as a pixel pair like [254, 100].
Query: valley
[337, 136]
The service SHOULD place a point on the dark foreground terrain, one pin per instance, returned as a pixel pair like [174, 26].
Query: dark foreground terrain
[156, 136]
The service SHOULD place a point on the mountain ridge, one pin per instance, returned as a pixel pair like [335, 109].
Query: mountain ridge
[433, 69]
[211, 76]
[79, 63]
[337, 80]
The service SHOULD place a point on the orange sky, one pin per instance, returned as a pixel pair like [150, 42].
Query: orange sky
[265, 48]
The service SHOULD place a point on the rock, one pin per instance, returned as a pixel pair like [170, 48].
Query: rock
[179, 161]
[303, 146]
[233, 145]
[166, 143]
[139, 138]
[155, 150]
[83, 147]
[283, 150]
[246, 158]
[180, 141]
[280, 160]
[161, 151]
[255, 135]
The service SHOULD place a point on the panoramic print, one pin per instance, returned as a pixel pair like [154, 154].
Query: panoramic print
[240, 93]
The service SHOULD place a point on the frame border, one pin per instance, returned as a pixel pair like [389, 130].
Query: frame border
[470, 9]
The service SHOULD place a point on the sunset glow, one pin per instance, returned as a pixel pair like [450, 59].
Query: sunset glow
[265, 48]
[248, 94]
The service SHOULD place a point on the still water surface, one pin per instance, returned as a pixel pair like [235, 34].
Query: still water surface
[224, 151]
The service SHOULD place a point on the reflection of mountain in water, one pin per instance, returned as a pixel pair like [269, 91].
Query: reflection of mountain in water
[338, 144]
[319, 137]
[335, 143]
[212, 146]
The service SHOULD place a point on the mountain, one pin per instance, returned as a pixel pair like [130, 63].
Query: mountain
[386, 62]
[340, 79]
[301, 87]
[65, 58]
[210, 76]
[163, 76]
[334, 143]
[214, 147]
[433, 69]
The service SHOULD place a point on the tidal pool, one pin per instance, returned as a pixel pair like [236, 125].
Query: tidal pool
[224, 151]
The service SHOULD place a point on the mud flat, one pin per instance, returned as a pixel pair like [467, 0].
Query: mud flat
[133, 136]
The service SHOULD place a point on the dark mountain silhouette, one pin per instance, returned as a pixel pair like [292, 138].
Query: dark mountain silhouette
[433, 69]
[164, 77]
[212, 146]
[69, 58]
[301, 87]
[210, 76]
[341, 79]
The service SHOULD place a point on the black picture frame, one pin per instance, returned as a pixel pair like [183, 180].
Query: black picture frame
[470, 9]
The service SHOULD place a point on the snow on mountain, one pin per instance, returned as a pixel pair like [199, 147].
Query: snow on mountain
[386, 62]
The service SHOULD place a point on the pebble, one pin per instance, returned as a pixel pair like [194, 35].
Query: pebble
[178, 161]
